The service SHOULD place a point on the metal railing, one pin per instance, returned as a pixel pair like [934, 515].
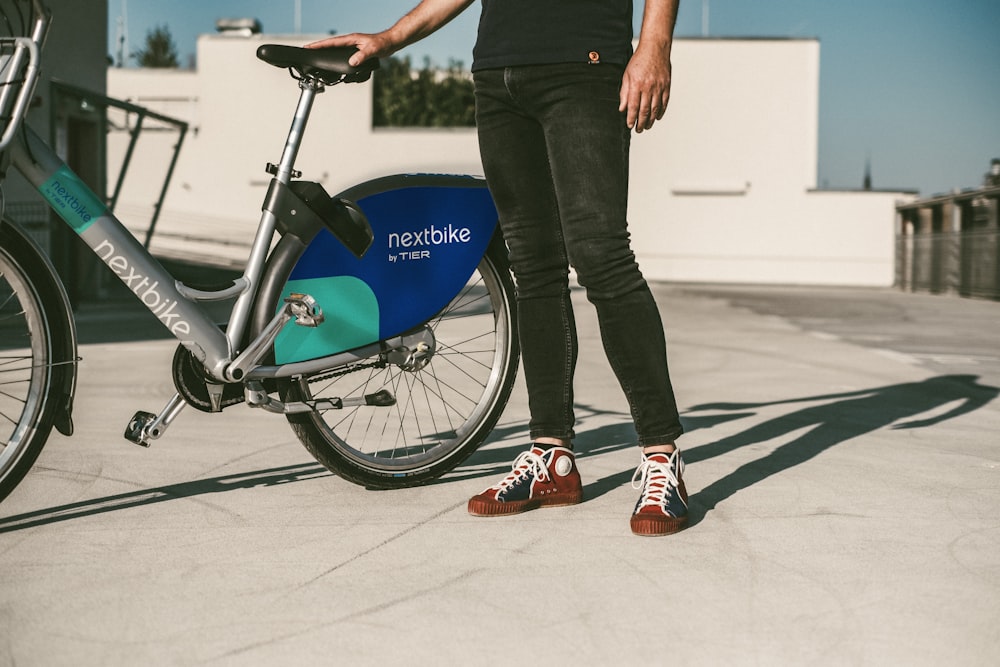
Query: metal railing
[965, 263]
[138, 114]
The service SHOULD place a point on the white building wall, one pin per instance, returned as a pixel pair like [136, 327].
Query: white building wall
[723, 190]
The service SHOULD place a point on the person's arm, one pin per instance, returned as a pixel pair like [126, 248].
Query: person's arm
[421, 21]
[645, 88]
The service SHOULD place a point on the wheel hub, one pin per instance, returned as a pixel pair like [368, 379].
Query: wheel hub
[416, 352]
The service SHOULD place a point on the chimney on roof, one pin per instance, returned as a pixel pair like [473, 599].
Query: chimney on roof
[240, 27]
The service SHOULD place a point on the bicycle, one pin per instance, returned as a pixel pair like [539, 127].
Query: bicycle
[380, 324]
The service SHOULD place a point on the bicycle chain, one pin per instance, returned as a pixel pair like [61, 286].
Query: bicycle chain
[346, 371]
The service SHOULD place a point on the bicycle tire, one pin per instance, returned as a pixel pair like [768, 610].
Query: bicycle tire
[28, 379]
[443, 412]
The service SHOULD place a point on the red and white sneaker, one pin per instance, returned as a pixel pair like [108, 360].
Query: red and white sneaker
[539, 478]
[662, 508]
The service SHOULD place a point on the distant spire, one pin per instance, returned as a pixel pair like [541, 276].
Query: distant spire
[868, 174]
[122, 36]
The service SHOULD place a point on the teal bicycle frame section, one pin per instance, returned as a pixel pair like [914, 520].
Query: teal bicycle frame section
[97, 227]
[430, 233]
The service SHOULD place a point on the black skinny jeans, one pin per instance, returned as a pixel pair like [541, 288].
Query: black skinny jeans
[555, 152]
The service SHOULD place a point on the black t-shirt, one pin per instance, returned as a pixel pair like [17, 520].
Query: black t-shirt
[543, 32]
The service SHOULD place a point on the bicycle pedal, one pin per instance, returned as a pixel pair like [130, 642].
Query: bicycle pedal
[305, 310]
[135, 432]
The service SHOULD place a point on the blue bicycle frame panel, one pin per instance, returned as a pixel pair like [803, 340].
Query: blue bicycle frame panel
[430, 233]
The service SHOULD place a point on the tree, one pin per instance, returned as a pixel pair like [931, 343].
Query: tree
[429, 97]
[159, 51]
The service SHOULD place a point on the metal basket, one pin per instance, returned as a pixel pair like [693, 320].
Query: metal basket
[22, 30]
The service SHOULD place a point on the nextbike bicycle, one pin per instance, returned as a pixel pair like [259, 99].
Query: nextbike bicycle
[379, 322]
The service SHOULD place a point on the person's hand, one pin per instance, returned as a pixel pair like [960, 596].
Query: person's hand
[369, 46]
[645, 89]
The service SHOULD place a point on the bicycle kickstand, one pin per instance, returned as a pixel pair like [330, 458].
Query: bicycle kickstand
[144, 427]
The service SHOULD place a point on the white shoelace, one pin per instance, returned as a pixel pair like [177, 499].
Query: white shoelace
[525, 463]
[657, 480]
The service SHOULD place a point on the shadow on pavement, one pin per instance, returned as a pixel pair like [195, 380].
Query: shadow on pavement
[201, 487]
[839, 418]
[625, 438]
[843, 417]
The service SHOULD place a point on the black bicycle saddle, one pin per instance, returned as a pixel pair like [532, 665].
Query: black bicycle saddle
[327, 64]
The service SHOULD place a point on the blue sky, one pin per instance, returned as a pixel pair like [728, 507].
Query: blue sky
[911, 85]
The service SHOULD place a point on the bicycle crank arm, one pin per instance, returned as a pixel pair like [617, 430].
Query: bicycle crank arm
[299, 307]
[257, 397]
[145, 426]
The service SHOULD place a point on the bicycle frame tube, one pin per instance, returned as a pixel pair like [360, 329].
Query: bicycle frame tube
[85, 212]
[174, 305]
[265, 231]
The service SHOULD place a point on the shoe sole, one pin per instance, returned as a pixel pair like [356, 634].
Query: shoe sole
[656, 526]
[486, 507]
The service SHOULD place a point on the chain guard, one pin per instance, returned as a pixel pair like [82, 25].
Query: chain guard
[192, 382]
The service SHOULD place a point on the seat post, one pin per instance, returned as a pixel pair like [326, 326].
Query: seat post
[265, 231]
[309, 87]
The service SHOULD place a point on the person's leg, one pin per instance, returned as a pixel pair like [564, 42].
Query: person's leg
[516, 165]
[517, 170]
[588, 147]
[583, 190]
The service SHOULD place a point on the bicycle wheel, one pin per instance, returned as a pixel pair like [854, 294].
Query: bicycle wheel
[27, 386]
[443, 411]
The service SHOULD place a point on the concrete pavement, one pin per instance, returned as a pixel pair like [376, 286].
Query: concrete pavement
[842, 458]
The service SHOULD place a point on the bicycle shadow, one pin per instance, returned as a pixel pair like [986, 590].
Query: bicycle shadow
[143, 497]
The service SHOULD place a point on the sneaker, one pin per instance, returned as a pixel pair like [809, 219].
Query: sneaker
[539, 478]
[662, 507]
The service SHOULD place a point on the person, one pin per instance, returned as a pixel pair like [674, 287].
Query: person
[558, 92]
